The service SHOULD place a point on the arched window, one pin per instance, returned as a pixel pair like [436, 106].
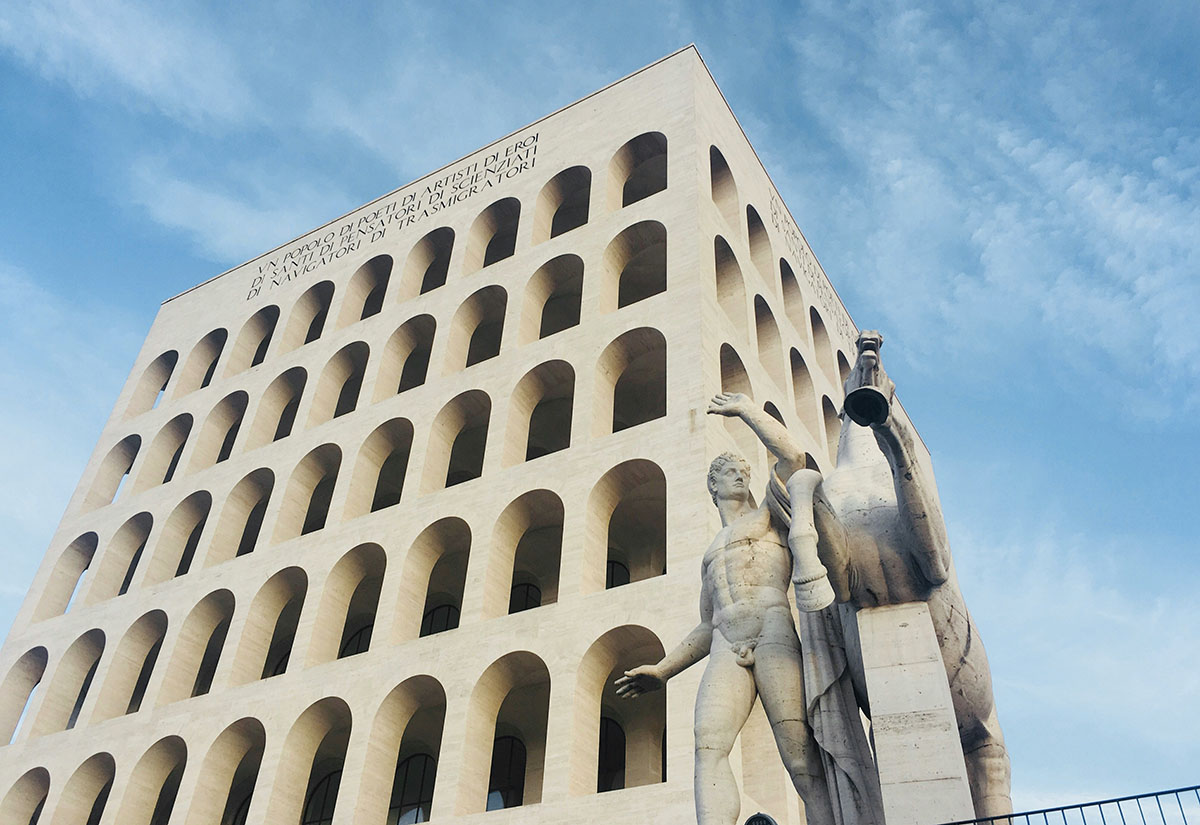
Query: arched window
[151, 789]
[552, 298]
[366, 290]
[493, 235]
[540, 414]
[180, 537]
[201, 364]
[113, 470]
[309, 493]
[241, 521]
[439, 618]
[638, 170]
[428, 263]
[724, 190]
[349, 599]
[506, 780]
[635, 265]
[225, 782]
[457, 441]
[406, 357]
[562, 205]
[525, 556]
[24, 801]
[631, 381]
[731, 288]
[152, 384]
[277, 409]
[803, 395]
[85, 795]
[307, 321]
[627, 511]
[197, 651]
[119, 561]
[381, 468]
[340, 383]
[162, 458]
[793, 300]
[412, 790]
[16, 693]
[124, 687]
[833, 427]
[313, 755]
[760, 244]
[265, 647]
[524, 596]
[770, 347]
[250, 348]
[616, 574]
[610, 773]
[843, 367]
[70, 685]
[65, 582]
[321, 800]
[217, 436]
[735, 379]
[433, 579]
[822, 346]
[477, 329]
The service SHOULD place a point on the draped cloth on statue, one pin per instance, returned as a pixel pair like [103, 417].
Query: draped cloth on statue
[833, 712]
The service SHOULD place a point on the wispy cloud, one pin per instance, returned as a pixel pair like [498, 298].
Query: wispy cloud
[169, 61]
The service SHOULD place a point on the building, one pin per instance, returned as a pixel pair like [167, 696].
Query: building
[401, 498]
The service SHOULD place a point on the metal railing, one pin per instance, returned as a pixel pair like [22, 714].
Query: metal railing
[1180, 806]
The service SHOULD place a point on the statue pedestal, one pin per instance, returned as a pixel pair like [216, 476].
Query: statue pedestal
[921, 769]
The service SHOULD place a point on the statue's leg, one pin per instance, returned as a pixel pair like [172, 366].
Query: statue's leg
[778, 674]
[723, 704]
[988, 769]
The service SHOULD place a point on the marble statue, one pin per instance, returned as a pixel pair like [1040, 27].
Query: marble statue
[882, 538]
[747, 632]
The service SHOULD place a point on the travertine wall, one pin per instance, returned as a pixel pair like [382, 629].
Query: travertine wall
[165, 594]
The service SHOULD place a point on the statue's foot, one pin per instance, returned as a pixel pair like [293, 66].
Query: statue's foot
[813, 594]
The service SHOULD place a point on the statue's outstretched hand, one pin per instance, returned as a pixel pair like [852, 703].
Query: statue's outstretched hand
[644, 679]
[729, 403]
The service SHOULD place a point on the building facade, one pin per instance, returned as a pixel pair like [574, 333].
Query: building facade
[380, 515]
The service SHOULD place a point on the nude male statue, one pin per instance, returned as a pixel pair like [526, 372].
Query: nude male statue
[747, 633]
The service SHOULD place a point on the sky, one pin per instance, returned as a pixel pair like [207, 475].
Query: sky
[1010, 191]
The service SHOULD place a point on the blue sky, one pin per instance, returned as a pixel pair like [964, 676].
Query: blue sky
[1010, 191]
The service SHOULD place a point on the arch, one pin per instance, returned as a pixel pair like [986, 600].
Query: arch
[635, 266]
[85, 795]
[770, 346]
[405, 361]
[562, 205]
[408, 725]
[265, 647]
[641, 723]
[307, 320]
[26, 798]
[793, 299]
[637, 170]
[111, 474]
[312, 757]
[803, 394]
[69, 685]
[219, 432]
[724, 189]
[240, 525]
[250, 346]
[493, 235]
[198, 648]
[822, 346]
[175, 548]
[553, 299]
[349, 599]
[511, 699]
[731, 287]
[152, 384]
[162, 458]
[539, 420]
[843, 368]
[201, 364]
[132, 665]
[366, 290]
[434, 576]
[119, 562]
[457, 440]
[381, 468]
[760, 243]
[227, 776]
[277, 409]
[309, 493]
[526, 551]
[773, 411]
[16, 692]
[65, 581]
[735, 379]
[833, 427]
[340, 384]
[151, 788]
[626, 523]
[427, 264]
[631, 381]
[476, 329]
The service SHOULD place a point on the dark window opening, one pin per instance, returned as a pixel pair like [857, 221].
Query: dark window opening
[466, 456]
[524, 597]
[287, 419]
[174, 462]
[615, 575]
[189, 549]
[253, 526]
[441, 618]
[318, 809]
[357, 642]
[317, 326]
[391, 480]
[412, 790]
[485, 341]
[318, 505]
[374, 301]
[143, 679]
[502, 245]
[416, 366]
[506, 783]
[348, 397]
[83, 692]
[230, 438]
[129, 571]
[610, 775]
[210, 659]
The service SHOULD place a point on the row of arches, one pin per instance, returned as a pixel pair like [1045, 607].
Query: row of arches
[637, 170]
[394, 758]
[363, 599]
[630, 389]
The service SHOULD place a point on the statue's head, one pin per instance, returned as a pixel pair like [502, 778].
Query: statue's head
[729, 477]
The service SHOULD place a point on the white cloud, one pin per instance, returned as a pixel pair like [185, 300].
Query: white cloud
[173, 63]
